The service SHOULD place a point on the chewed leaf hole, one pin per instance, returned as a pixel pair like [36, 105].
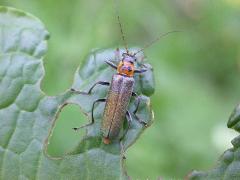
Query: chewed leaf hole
[64, 138]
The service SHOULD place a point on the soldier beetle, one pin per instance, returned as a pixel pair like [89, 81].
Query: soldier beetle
[119, 93]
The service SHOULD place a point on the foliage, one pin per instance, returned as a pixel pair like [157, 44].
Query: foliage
[28, 116]
[196, 73]
[228, 166]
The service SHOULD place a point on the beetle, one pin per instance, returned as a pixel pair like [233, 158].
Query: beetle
[120, 93]
[118, 98]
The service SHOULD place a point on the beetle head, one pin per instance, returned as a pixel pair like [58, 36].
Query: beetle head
[126, 65]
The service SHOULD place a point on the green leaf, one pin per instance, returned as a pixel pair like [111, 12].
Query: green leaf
[28, 116]
[228, 167]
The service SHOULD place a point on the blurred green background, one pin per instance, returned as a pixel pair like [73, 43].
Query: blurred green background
[197, 73]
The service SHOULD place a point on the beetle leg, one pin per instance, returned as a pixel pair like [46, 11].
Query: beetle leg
[129, 119]
[140, 70]
[140, 121]
[90, 90]
[135, 111]
[98, 100]
[138, 98]
[122, 150]
[144, 65]
[111, 64]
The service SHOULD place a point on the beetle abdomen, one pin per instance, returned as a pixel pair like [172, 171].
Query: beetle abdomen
[116, 106]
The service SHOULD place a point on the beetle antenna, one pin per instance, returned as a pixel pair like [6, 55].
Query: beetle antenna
[154, 41]
[120, 26]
